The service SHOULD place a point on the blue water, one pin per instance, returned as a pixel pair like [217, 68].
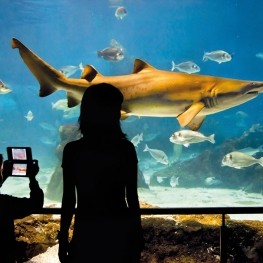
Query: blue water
[64, 32]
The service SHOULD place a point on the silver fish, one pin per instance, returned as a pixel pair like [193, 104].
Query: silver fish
[137, 139]
[212, 181]
[240, 160]
[29, 116]
[158, 155]
[186, 137]
[70, 70]
[259, 55]
[217, 56]
[3, 88]
[120, 12]
[174, 181]
[187, 67]
[111, 54]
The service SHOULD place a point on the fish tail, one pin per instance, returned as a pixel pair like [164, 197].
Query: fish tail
[99, 54]
[260, 161]
[146, 149]
[211, 138]
[44, 73]
[81, 66]
[173, 66]
[205, 57]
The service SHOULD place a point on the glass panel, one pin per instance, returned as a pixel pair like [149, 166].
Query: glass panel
[221, 39]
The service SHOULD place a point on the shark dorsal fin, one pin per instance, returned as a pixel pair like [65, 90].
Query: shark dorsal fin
[140, 65]
[89, 73]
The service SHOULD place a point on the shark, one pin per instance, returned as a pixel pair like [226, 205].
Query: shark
[148, 91]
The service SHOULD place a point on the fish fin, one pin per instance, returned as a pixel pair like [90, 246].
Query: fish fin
[89, 73]
[140, 65]
[124, 115]
[45, 90]
[44, 73]
[212, 138]
[72, 101]
[260, 161]
[189, 115]
[186, 144]
[196, 123]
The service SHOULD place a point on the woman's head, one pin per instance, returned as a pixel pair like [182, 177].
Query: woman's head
[100, 110]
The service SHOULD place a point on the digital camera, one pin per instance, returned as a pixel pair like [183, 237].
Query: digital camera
[18, 160]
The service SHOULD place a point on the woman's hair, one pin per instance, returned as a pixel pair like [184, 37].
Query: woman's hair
[100, 112]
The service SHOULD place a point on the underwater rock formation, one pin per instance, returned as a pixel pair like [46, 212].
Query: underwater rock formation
[170, 238]
[194, 172]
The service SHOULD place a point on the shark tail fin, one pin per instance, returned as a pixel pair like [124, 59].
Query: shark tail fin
[44, 73]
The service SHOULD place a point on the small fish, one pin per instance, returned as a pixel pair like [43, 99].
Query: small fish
[259, 55]
[186, 137]
[217, 56]
[29, 116]
[3, 88]
[174, 181]
[48, 127]
[187, 67]
[71, 113]
[212, 181]
[158, 155]
[70, 70]
[240, 160]
[61, 104]
[48, 140]
[137, 139]
[113, 53]
[120, 12]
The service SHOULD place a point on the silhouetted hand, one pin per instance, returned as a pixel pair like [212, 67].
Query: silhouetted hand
[33, 169]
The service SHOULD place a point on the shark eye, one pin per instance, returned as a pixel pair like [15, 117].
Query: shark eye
[179, 134]
[230, 157]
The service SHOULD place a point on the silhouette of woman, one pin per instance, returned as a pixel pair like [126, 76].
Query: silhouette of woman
[102, 168]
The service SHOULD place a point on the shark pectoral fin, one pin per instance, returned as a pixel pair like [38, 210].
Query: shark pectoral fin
[186, 117]
[72, 101]
[124, 115]
[89, 73]
[196, 123]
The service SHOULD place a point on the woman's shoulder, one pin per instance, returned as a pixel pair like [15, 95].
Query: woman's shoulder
[74, 144]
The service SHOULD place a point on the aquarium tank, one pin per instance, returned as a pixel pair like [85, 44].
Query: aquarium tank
[198, 127]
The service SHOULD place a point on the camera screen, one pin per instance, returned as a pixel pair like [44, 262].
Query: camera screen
[19, 154]
[19, 169]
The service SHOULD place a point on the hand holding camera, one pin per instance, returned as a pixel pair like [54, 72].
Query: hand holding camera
[20, 163]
